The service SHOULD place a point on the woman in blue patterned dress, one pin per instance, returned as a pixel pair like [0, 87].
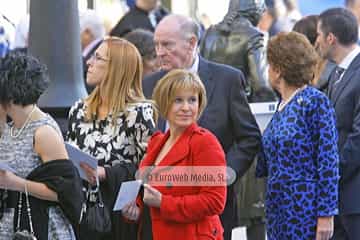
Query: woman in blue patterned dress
[300, 155]
[113, 124]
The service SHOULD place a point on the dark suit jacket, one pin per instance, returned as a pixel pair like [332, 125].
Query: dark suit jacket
[346, 100]
[227, 114]
[136, 18]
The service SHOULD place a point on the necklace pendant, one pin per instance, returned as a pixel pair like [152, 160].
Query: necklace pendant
[26, 123]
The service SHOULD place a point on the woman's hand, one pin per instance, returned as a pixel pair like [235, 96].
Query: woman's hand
[131, 211]
[91, 173]
[324, 228]
[10, 181]
[101, 173]
[152, 197]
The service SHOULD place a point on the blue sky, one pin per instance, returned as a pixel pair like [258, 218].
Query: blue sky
[317, 6]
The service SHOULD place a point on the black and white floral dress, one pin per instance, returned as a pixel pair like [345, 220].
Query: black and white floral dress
[127, 141]
[111, 144]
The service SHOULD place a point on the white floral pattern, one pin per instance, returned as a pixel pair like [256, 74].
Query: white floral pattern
[127, 142]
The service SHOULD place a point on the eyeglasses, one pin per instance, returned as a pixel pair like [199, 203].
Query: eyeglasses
[110, 39]
[96, 57]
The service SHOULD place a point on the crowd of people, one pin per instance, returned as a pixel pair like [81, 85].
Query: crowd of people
[157, 105]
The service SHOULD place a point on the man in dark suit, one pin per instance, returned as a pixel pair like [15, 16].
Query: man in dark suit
[337, 38]
[92, 31]
[227, 114]
[144, 15]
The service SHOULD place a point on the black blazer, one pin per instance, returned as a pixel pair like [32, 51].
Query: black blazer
[227, 114]
[346, 100]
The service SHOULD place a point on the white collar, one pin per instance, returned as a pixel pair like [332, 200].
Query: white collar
[90, 46]
[345, 63]
[152, 18]
[195, 67]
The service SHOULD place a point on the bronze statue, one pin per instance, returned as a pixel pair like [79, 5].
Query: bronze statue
[237, 42]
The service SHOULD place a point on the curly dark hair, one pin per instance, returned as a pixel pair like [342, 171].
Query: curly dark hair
[22, 79]
[294, 56]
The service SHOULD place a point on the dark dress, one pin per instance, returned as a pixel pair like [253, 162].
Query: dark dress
[300, 159]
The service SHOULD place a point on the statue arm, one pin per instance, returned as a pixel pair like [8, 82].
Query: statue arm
[258, 76]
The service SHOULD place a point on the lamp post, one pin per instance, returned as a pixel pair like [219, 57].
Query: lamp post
[55, 40]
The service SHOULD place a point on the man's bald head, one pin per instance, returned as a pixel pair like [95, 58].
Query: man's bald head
[182, 24]
[176, 39]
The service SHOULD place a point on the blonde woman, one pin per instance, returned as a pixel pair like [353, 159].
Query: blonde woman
[114, 122]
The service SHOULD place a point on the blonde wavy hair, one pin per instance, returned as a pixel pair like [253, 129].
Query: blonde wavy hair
[171, 84]
[122, 84]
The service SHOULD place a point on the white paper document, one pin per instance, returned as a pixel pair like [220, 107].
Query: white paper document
[77, 156]
[127, 194]
[5, 167]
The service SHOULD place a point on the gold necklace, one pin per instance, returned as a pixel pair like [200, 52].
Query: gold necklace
[23, 126]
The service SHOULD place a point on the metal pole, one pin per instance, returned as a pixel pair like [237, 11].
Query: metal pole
[55, 40]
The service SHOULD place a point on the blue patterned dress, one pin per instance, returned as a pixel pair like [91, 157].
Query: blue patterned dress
[300, 160]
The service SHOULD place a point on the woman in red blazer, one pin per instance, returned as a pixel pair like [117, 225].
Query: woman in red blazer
[191, 211]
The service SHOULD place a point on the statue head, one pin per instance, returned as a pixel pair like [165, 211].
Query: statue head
[251, 9]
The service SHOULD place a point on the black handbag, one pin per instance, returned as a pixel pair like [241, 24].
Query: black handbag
[95, 217]
[24, 234]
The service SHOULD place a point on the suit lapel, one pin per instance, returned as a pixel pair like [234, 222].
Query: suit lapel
[336, 91]
[348, 75]
[206, 78]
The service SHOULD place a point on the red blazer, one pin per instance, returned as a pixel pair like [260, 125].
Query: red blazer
[188, 212]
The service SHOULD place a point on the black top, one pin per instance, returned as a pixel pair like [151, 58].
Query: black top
[135, 18]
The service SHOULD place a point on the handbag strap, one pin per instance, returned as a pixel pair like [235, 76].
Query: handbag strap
[100, 202]
[27, 209]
